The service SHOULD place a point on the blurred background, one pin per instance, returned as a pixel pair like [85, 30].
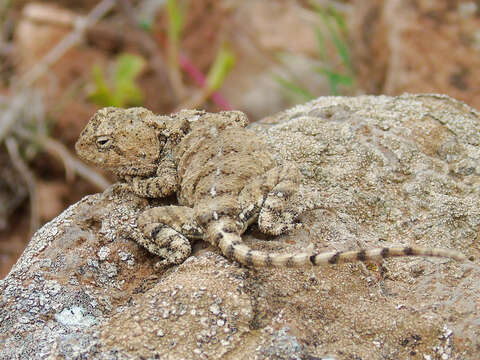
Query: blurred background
[62, 60]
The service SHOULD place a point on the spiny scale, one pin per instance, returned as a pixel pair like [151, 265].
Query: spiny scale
[232, 247]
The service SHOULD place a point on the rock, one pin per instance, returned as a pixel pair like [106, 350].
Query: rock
[419, 46]
[380, 170]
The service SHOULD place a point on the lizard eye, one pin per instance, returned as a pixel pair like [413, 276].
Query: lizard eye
[103, 142]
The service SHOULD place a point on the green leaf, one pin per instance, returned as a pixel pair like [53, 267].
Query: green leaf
[175, 20]
[128, 67]
[339, 78]
[336, 27]
[296, 89]
[338, 68]
[146, 25]
[322, 49]
[102, 95]
[336, 79]
[126, 91]
[341, 47]
[338, 17]
[223, 63]
[123, 90]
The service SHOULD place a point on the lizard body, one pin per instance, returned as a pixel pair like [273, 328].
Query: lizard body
[224, 178]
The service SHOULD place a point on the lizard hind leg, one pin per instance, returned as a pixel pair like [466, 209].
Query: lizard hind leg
[166, 231]
[278, 214]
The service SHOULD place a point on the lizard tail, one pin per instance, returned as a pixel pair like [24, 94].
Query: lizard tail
[225, 236]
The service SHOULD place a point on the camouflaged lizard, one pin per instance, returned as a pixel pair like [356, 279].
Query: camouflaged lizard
[224, 178]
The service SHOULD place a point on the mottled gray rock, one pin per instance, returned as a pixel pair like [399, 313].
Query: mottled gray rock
[380, 170]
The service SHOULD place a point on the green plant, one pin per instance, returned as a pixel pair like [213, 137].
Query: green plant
[224, 62]
[175, 21]
[336, 65]
[175, 14]
[338, 71]
[122, 89]
[294, 88]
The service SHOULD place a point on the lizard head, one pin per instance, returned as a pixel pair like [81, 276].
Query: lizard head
[124, 141]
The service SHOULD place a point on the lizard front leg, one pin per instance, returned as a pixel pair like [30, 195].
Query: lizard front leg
[163, 184]
[167, 230]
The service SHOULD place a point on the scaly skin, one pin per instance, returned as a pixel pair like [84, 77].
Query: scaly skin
[224, 178]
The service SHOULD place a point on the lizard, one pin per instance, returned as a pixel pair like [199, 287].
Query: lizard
[224, 177]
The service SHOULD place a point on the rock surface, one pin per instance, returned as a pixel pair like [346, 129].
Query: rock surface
[380, 170]
[417, 46]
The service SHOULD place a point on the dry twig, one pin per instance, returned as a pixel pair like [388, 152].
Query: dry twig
[67, 42]
[72, 164]
[11, 114]
[29, 179]
[18, 101]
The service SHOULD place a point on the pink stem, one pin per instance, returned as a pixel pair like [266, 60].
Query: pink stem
[200, 80]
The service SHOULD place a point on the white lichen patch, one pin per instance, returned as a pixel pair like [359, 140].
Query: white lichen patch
[75, 316]
[103, 253]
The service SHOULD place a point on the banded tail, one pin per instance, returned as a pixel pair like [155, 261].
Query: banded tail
[224, 235]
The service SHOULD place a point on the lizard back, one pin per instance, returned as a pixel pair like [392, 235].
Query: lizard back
[216, 159]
